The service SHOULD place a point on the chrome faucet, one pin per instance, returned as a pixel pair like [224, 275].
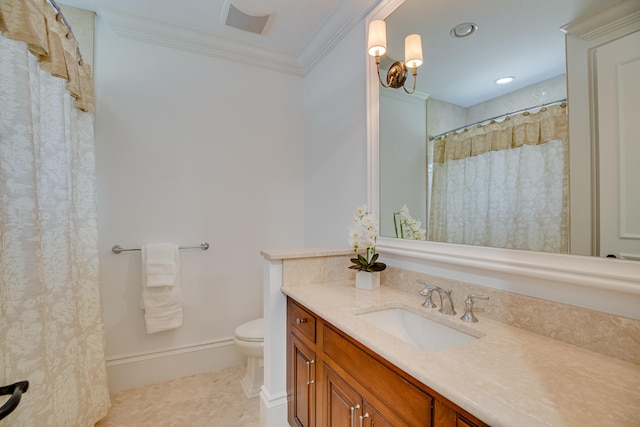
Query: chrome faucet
[468, 314]
[446, 303]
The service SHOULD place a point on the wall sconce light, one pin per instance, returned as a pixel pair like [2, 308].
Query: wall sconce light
[397, 74]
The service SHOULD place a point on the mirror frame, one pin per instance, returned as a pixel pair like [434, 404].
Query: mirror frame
[596, 272]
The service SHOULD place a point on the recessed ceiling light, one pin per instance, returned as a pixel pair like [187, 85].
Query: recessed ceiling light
[505, 80]
[464, 30]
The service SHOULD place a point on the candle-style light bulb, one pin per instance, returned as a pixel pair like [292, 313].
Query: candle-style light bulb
[413, 51]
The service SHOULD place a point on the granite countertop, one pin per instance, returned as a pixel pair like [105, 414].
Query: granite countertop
[506, 377]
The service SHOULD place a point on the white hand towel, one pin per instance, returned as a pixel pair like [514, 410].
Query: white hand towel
[161, 264]
[163, 318]
[161, 296]
[161, 268]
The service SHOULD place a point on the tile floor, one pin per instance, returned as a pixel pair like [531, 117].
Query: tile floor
[213, 399]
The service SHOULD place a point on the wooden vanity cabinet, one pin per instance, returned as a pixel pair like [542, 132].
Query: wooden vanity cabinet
[334, 381]
[301, 366]
[344, 406]
[303, 399]
[386, 391]
[447, 414]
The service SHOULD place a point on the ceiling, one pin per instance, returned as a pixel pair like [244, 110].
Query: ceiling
[520, 38]
[515, 37]
[297, 36]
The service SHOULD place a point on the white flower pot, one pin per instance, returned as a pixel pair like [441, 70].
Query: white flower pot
[367, 280]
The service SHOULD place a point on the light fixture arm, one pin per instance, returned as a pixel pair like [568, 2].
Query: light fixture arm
[378, 67]
[415, 78]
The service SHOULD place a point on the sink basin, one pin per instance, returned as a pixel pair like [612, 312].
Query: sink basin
[415, 329]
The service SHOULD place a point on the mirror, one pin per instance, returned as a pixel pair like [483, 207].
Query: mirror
[456, 84]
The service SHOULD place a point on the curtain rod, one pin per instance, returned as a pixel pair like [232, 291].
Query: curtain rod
[431, 138]
[60, 17]
[57, 9]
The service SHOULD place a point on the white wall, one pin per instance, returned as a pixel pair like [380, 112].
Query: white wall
[191, 148]
[335, 142]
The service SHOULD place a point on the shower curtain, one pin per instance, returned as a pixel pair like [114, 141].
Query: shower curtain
[504, 184]
[51, 325]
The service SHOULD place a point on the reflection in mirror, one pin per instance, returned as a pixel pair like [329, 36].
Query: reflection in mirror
[504, 184]
[456, 183]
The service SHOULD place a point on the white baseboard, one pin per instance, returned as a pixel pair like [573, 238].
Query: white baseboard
[130, 371]
[273, 409]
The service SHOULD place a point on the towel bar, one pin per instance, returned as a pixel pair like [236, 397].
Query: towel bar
[116, 249]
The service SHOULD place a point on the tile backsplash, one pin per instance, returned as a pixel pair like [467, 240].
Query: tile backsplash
[612, 335]
[608, 334]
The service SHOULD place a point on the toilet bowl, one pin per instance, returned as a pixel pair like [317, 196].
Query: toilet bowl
[249, 339]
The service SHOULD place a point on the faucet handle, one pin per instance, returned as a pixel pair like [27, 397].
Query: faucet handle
[468, 303]
[427, 291]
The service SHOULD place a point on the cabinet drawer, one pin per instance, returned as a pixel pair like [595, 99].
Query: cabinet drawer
[301, 320]
[408, 402]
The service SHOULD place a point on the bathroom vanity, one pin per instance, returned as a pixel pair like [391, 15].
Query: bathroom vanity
[328, 363]
[341, 368]
[334, 380]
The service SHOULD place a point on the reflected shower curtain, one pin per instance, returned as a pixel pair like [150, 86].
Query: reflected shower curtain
[504, 184]
[51, 325]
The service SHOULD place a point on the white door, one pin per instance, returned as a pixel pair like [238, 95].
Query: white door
[618, 110]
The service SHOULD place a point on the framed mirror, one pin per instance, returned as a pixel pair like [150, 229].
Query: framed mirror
[580, 270]
[456, 90]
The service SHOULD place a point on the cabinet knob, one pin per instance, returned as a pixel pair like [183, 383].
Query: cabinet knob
[303, 320]
[362, 417]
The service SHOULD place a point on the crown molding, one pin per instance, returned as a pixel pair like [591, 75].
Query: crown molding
[177, 37]
[345, 17]
[605, 21]
[342, 20]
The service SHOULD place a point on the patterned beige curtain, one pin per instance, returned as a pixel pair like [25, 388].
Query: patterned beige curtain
[504, 184]
[51, 324]
[37, 24]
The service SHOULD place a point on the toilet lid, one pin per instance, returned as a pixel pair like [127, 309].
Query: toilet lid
[251, 331]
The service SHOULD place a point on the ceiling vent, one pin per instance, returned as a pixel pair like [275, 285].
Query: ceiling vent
[242, 21]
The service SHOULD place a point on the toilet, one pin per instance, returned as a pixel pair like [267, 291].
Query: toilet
[249, 338]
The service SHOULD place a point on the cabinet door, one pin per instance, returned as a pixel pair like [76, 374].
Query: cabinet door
[342, 404]
[301, 379]
[372, 418]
